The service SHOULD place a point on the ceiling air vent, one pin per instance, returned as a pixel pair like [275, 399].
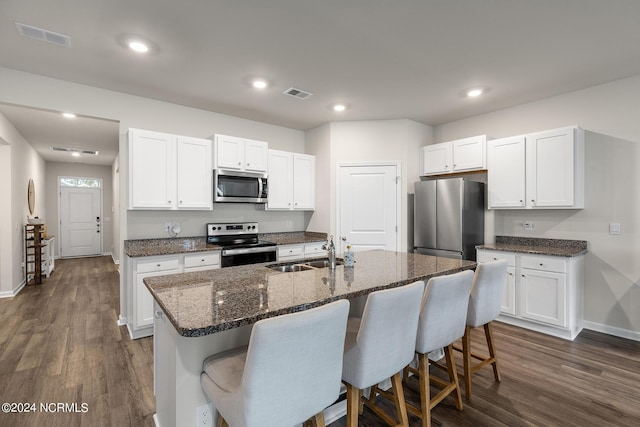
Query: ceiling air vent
[297, 93]
[44, 35]
[75, 150]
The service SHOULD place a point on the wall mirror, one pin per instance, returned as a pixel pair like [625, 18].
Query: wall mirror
[31, 196]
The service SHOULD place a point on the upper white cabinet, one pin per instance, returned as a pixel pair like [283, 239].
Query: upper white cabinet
[241, 154]
[169, 171]
[455, 156]
[542, 170]
[292, 178]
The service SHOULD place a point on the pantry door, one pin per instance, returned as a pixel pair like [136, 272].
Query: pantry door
[80, 221]
[369, 206]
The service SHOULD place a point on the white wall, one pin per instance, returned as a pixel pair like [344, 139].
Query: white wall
[115, 209]
[19, 164]
[32, 90]
[609, 114]
[365, 141]
[56, 170]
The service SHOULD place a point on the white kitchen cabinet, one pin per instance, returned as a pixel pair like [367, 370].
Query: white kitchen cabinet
[292, 179]
[140, 310]
[301, 251]
[194, 177]
[142, 299]
[152, 170]
[506, 173]
[461, 155]
[169, 172]
[542, 170]
[241, 154]
[545, 294]
[290, 252]
[509, 291]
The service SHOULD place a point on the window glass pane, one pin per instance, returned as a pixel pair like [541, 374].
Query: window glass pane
[80, 182]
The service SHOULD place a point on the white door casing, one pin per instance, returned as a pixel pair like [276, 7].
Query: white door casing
[80, 221]
[368, 206]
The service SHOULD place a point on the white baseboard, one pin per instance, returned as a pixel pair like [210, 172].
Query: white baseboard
[13, 293]
[612, 330]
[122, 320]
[115, 261]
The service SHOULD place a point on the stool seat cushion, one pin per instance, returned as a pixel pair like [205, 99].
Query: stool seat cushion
[225, 369]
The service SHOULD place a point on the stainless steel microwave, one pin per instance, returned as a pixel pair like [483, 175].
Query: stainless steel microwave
[239, 187]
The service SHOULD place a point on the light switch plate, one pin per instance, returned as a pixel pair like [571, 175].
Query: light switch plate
[614, 228]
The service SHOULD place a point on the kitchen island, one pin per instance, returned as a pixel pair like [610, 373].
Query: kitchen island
[201, 313]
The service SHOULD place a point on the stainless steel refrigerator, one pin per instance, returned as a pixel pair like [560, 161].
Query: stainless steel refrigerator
[449, 217]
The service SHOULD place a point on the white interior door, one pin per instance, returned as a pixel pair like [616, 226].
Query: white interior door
[368, 206]
[80, 221]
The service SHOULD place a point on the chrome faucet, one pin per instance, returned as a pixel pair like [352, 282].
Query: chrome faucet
[330, 247]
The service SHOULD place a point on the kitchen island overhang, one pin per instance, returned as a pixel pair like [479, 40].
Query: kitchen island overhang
[202, 313]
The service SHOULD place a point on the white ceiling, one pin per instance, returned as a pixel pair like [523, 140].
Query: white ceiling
[385, 59]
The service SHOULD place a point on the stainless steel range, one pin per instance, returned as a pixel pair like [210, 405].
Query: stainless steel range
[240, 243]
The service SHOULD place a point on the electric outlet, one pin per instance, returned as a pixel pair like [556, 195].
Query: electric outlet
[528, 226]
[204, 415]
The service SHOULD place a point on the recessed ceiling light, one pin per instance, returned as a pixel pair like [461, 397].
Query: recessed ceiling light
[339, 108]
[259, 83]
[138, 46]
[69, 115]
[474, 92]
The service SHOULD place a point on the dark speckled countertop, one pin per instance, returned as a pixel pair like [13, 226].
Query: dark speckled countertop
[180, 245]
[538, 246]
[206, 302]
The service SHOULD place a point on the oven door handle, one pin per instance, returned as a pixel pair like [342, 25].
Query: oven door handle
[228, 252]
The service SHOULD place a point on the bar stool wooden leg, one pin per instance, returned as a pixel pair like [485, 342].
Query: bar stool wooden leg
[398, 394]
[453, 374]
[425, 397]
[353, 402]
[492, 351]
[221, 422]
[316, 421]
[466, 356]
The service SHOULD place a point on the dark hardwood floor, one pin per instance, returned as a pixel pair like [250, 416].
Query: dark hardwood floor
[59, 343]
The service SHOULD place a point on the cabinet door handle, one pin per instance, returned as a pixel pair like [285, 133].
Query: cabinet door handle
[239, 163]
[540, 264]
[523, 275]
[248, 164]
[510, 274]
[157, 265]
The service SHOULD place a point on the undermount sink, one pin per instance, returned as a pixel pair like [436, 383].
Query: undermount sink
[288, 268]
[321, 263]
[303, 266]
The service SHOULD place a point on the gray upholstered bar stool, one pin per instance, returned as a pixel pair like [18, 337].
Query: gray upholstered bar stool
[442, 322]
[378, 346]
[484, 307]
[290, 372]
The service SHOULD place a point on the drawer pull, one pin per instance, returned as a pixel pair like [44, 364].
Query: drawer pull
[157, 265]
[540, 264]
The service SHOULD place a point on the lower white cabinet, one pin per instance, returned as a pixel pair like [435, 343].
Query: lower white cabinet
[300, 251]
[541, 292]
[140, 309]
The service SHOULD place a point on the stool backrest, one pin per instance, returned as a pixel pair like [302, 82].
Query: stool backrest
[486, 294]
[444, 311]
[294, 365]
[386, 338]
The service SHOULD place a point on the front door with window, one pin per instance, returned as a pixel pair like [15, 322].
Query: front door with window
[80, 221]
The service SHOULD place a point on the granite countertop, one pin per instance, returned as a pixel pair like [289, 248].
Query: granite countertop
[538, 246]
[206, 302]
[292, 238]
[180, 245]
